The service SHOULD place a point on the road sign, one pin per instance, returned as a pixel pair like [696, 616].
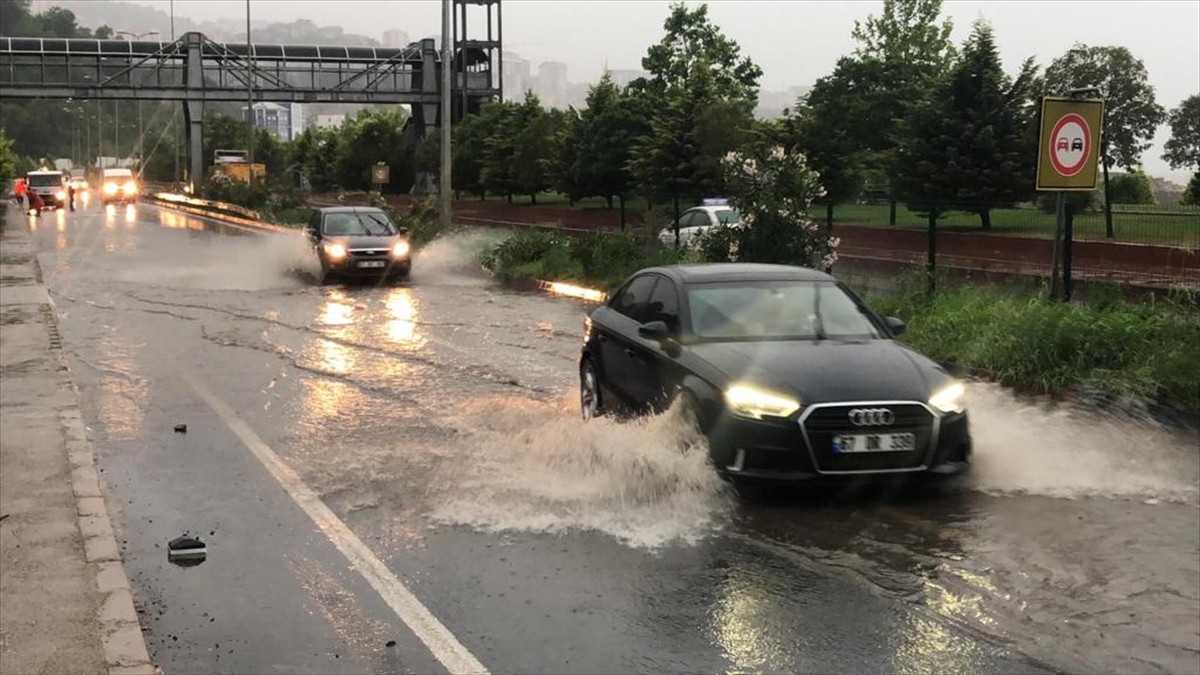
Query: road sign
[1069, 143]
[381, 174]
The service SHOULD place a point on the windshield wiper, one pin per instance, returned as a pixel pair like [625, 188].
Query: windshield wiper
[385, 224]
[817, 313]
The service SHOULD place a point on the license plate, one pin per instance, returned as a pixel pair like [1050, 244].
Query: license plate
[371, 263]
[847, 443]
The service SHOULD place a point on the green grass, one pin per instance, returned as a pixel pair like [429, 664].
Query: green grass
[1173, 226]
[1135, 351]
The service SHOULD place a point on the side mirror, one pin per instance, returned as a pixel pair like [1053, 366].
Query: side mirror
[654, 330]
[895, 325]
[402, 230]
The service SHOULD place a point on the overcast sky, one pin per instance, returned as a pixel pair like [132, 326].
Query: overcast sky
[794, 42]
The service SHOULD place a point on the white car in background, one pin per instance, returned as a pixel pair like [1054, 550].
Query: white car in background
[698, 220]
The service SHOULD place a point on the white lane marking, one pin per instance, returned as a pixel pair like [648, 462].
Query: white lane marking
[441, 642]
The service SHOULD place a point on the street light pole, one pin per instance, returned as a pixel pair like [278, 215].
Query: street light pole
[174, 115]
[141, 139]
[444, 122]
[249, 93]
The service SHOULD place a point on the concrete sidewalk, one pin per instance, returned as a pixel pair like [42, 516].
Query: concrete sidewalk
[65, 603]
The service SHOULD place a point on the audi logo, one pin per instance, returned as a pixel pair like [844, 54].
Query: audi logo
[871, 417]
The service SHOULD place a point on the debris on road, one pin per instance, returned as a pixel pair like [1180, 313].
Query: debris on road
[181, 428]
[186, 551]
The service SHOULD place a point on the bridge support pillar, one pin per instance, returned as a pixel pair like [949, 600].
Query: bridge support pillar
[194, 117]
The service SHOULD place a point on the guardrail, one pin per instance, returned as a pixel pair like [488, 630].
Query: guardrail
[223, 211]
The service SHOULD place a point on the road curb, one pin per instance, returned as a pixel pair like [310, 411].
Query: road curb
[121, 636]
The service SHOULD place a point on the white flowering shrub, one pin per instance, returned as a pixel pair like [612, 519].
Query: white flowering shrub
[772, 189]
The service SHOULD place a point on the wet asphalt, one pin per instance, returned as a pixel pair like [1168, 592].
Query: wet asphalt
[436, 419]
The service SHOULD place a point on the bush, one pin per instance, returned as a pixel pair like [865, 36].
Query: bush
[220, 187]
[1047, 202]
[1111, 347]
[1130, 188]
[423, 221]
[1191, 194]
[601, 260]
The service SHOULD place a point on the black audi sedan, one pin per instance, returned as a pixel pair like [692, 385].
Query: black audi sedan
[359, 241]
[785, 371]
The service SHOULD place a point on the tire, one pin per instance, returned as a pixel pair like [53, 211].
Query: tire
[590, 403]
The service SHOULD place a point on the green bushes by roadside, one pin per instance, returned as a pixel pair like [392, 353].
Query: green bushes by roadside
[601, 260]
[1110, 347]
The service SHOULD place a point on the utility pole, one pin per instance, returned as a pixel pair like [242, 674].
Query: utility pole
[249, 93]
[444, 122]
[174, 116]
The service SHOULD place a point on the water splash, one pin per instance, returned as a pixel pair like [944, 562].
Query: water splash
[538, 467]
[1025, 445]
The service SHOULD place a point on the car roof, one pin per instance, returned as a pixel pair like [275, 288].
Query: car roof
[349, 209]
[700, 273]
[44, 172]
[119, 169]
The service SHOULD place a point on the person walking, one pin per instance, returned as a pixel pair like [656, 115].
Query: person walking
[71, 194]
[20, 190]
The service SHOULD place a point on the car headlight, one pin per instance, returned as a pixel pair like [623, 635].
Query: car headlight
[948, 399]
[60, 195]
[335, 251]
[750, 401]
[401, 249]
[110, 188]
[130, 188]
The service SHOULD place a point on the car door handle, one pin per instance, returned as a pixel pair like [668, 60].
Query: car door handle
[630, 353]
[602, 337]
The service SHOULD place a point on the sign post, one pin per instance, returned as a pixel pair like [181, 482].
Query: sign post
[380, 176]
[1068, 150]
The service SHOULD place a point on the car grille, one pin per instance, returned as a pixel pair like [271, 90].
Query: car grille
[369, 252]
[820, 426]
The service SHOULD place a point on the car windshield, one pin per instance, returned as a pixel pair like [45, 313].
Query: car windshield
[728, 216]
[367, 223]
[45, 179]
[776, 310]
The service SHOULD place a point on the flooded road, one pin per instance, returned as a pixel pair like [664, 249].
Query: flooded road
[437, 422]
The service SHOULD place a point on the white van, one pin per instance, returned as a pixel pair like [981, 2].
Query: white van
[118, 185]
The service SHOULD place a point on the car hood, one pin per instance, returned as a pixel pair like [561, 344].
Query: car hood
[822, 371]
[363, 241]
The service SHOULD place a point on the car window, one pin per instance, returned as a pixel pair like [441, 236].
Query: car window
[368, 223]
[694, 219]
[631, 301]
[663, 304]
[776, 310]
[45, 179]
[728, 216]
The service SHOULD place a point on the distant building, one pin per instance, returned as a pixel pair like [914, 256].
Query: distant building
[517, 78]
[328, 121]
[551, 86]
[284, 120]
[395, 38]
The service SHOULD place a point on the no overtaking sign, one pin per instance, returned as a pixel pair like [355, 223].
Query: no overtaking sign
[1069, 143]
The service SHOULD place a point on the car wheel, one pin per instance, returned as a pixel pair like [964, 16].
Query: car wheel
[589, 391]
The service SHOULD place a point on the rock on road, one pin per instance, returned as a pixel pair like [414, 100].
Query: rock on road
[394, 479]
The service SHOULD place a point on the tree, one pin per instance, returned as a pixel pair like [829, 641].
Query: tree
[568, 169]
[8, 162]
[1131, 115]
[681, 153]
[468, 148]
[691, 39]
[1183, 148]
[1191, 194]
[968, 148]
[607, 129]
[314, 152]
[992, 114]
[820, 128]
[1131, 188]
[901, 55]
[535, 145]
[698, 102]
[370, 137]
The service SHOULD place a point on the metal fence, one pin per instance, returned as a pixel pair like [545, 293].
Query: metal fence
[1157, 225]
